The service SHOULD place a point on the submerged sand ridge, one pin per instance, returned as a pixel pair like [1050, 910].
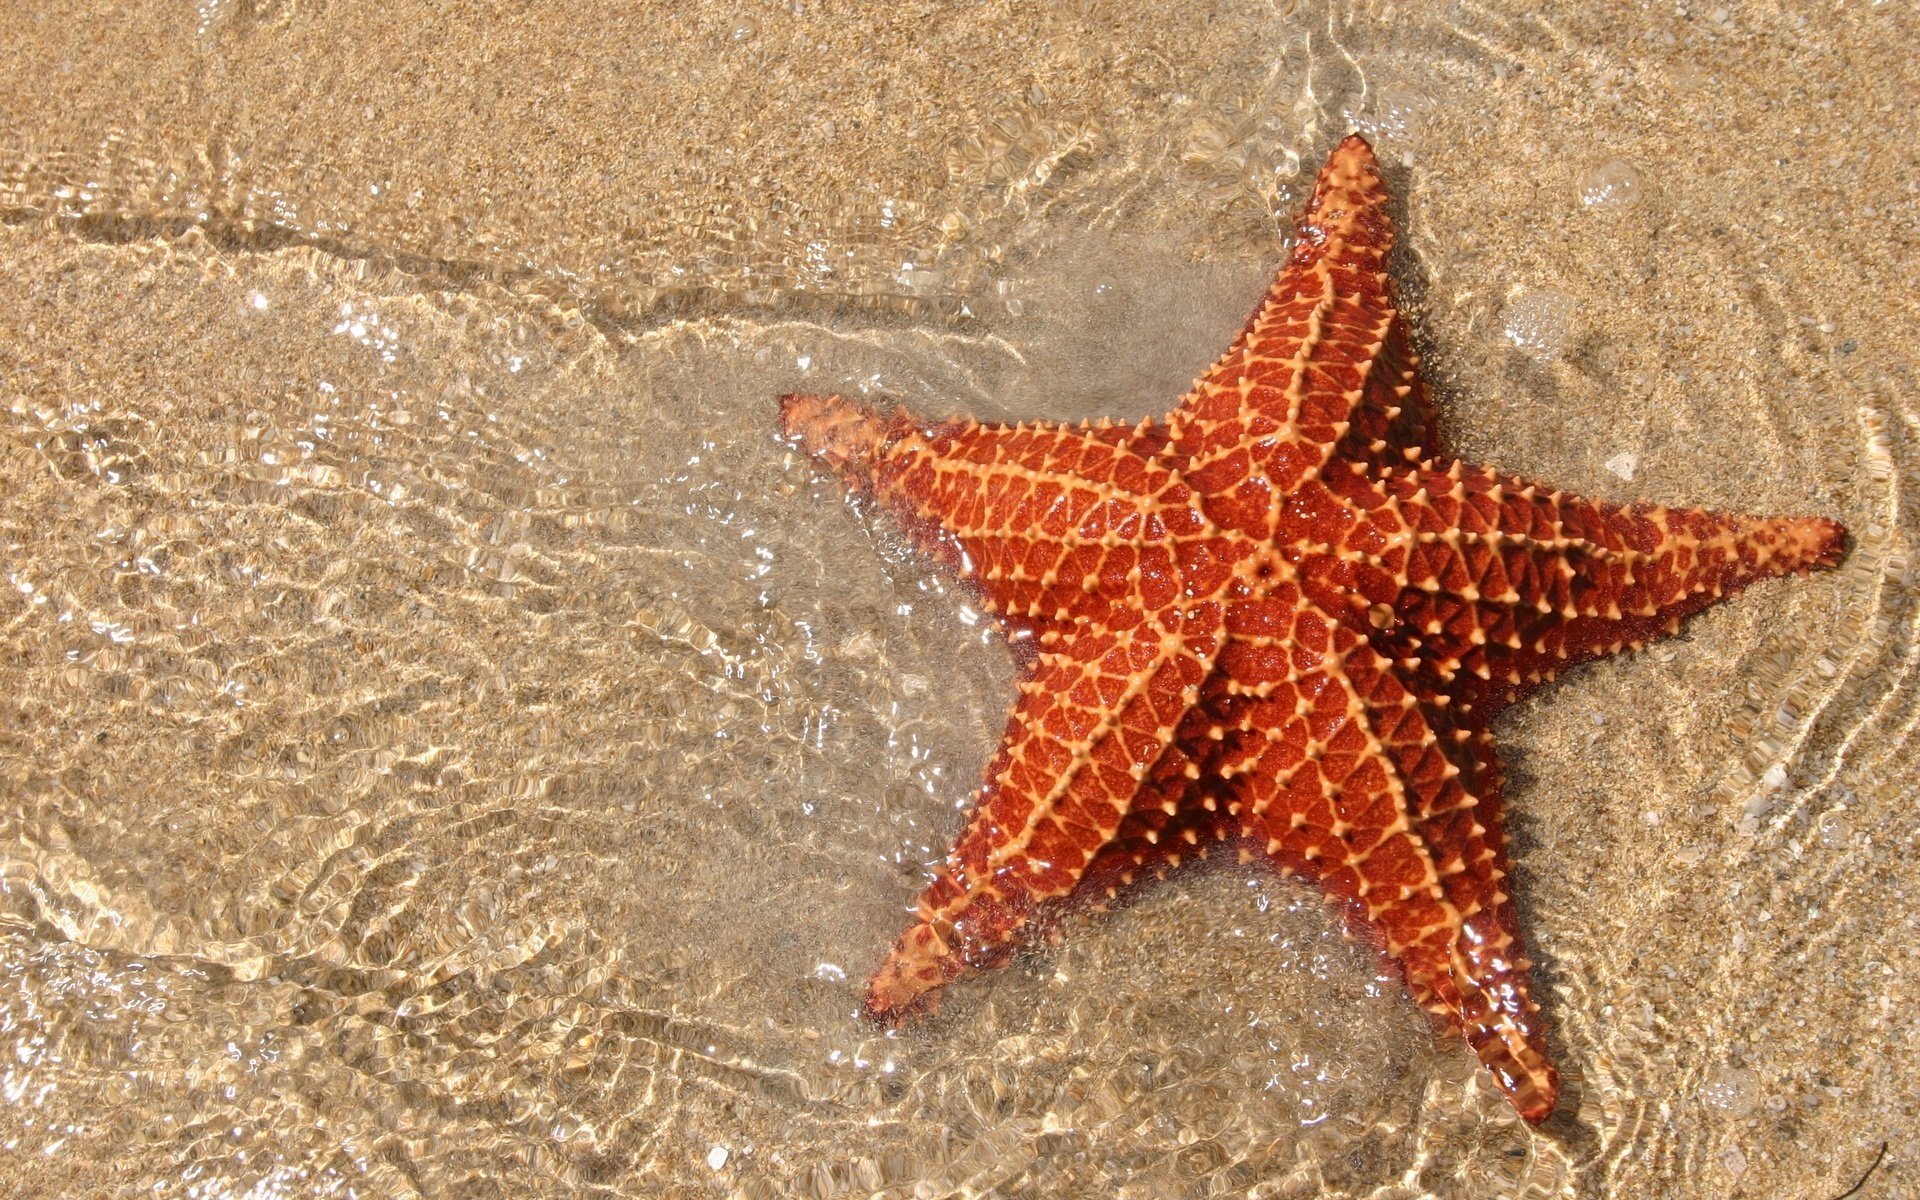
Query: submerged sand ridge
[451, 751]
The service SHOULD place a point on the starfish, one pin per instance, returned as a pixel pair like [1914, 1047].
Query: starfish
[1278, 621]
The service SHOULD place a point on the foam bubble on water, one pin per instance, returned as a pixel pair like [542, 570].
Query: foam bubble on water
[1396, 119]
[1833, 831]
[1734, 1090]
[1542, 322]
[1613, 186]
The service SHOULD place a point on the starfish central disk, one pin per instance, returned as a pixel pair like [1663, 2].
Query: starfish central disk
[1276, 624]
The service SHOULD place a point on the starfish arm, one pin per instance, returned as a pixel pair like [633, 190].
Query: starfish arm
[1341, 774]
[1393, 423]
[1504, 584]
[1089, 742]
[1324, 369]
[1184, 821]
[1049, 522]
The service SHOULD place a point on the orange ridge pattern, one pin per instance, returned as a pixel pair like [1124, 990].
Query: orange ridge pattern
[1281, 620]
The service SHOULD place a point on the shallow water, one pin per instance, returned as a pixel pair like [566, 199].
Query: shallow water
[453, 747]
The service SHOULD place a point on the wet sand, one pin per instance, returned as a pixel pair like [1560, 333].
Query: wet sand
[452, 747]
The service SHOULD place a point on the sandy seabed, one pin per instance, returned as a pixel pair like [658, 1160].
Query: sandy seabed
[451, 747]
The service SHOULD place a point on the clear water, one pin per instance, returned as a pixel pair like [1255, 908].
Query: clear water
[452, 748]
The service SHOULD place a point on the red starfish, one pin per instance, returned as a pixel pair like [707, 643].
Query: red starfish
[1282, 619]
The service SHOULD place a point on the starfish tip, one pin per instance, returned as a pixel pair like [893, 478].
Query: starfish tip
[1826, 540]
[844, 434]
[898, 997]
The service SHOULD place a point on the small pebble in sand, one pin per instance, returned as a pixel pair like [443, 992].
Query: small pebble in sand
[1734, 1161]
[1541, 322]
[1623, 464]
[1734, 1090]
[1613, 186]
[717, 1157]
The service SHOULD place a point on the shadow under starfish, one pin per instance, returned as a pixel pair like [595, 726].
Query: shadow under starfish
[1279, 619]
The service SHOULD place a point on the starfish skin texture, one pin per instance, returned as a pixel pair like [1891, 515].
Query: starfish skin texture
[1278, 621]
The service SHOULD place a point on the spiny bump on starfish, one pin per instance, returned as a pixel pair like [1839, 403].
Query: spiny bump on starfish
[1280, 620]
